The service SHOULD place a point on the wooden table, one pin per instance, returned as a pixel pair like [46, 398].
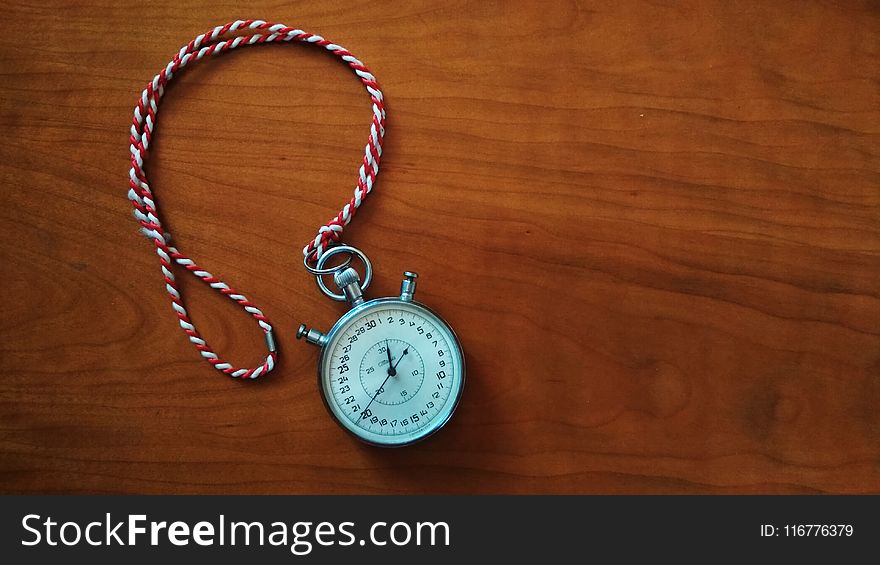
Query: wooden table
[655, 226]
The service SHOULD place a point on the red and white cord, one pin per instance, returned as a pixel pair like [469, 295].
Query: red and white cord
[215, 41]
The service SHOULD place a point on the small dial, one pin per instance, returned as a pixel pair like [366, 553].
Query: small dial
[392, 372]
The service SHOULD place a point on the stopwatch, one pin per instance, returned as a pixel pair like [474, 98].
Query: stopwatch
[391, 370]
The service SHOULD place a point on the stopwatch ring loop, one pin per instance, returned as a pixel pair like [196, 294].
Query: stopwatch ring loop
[352, 252]
[317, 271]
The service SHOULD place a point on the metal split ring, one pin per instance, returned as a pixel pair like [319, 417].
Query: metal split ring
[329, 271]
[320, 272]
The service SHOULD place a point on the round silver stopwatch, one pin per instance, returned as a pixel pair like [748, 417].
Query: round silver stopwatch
[391, 370]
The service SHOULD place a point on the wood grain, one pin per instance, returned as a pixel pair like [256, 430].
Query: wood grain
[655, 226]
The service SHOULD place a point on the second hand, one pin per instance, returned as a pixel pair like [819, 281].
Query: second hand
[391, 372]
[378, 390]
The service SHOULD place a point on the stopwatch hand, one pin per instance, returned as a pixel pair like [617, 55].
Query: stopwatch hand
[378, 390]
[405, 351]
[391, 371]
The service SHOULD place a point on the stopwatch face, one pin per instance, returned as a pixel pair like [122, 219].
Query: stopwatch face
[391, 372]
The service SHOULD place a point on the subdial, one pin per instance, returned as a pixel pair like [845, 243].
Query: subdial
[398, 365]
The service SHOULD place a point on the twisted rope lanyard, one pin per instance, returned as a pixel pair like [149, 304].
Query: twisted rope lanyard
[214, 42]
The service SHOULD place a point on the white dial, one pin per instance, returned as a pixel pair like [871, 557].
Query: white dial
[391, 372]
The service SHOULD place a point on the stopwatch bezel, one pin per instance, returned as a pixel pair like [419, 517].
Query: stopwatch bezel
[375, 304]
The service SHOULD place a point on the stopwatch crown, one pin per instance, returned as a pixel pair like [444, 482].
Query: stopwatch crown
[346, 277]
[348, 280]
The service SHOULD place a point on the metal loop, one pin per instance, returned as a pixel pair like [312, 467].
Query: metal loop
[329, 271]
[353, 252]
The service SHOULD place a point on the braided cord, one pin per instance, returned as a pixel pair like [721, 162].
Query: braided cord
[214, 42]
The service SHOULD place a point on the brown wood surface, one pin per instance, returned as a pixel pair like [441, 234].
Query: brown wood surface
[654, 225]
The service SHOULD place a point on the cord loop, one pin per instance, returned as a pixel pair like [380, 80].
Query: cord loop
[214, 42]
